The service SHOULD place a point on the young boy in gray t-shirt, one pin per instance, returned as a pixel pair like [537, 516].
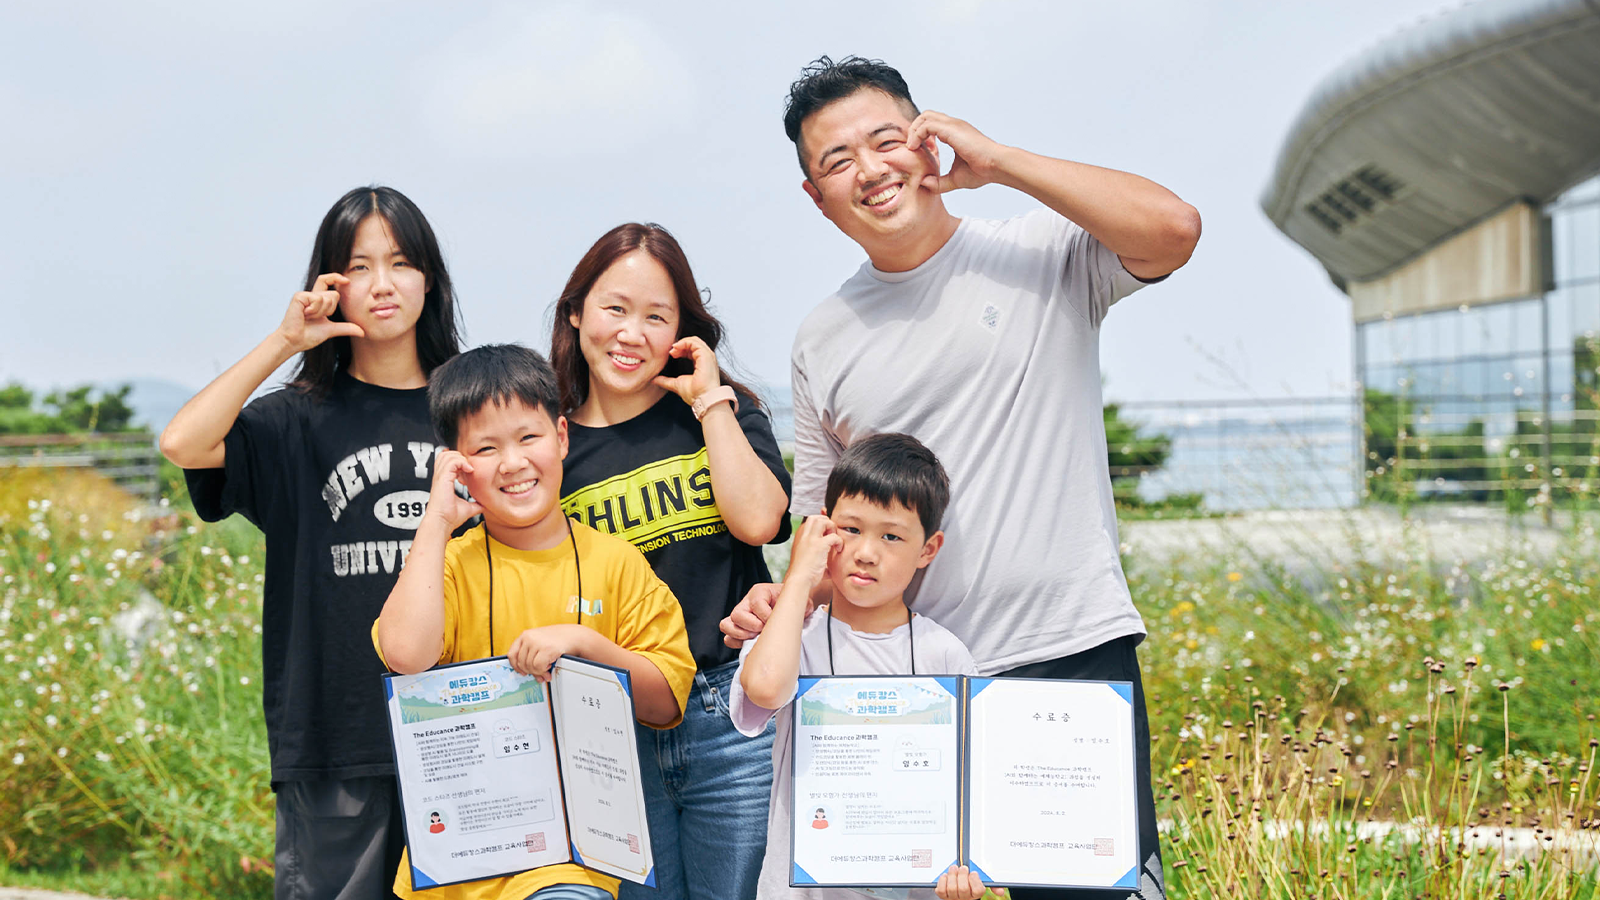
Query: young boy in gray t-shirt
[879, 527]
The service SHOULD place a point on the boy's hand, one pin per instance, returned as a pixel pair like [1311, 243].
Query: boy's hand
[443, 502]
[306, 323]
[815, 545]
[537, 649]
[961, 883]
[750, 616]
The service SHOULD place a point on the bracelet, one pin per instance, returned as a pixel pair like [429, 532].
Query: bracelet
[703, 403]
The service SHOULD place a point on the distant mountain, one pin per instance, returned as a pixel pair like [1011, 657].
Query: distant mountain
[154, 400]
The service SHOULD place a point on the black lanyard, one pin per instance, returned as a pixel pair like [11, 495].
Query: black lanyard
[911, 632]
[489, 558]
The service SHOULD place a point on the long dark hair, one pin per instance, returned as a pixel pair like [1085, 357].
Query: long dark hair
[694, 320]
[439, 328]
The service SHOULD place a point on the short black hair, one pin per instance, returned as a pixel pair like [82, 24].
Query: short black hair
[824, 81]
[893, 468]
[493, 373]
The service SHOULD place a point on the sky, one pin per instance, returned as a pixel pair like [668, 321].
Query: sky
[164, 165]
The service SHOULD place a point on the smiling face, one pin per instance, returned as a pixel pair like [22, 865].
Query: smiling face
[628, 325]
[882, 550]
[863, 177]
[516, 453]
[386, 290]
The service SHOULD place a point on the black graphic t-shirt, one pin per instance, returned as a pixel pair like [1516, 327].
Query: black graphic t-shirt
[648, 481]
[338, 486]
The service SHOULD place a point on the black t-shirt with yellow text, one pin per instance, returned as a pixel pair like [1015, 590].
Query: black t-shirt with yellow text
[648, 481]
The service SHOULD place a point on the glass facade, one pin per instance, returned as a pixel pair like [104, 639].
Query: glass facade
[1495, 400]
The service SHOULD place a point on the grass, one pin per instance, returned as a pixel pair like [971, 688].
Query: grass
[1329, 729]
[133, 739]
[1376, 730]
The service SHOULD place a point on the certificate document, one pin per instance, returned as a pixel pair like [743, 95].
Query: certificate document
[481, 751]
[1052, 793]
[876, 780]
[1029, 782]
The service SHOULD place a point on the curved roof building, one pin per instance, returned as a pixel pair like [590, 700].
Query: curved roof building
[1445, 179]
[1438, 128]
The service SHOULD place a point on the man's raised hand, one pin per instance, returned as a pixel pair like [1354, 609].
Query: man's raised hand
[977, 158]
[306, 323]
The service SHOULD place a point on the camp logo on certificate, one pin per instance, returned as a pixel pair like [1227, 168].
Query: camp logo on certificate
[1030, 782]
[500, 774]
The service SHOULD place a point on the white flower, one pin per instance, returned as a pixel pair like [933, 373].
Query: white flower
[17, 760]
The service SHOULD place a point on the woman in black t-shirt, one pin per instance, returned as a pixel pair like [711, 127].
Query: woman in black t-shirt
[334, 469]
[671, 454]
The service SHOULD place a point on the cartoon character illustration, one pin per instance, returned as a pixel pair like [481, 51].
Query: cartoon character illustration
[435, 823]
[820, 820]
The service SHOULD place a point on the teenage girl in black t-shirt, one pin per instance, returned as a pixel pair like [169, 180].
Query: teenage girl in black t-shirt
[334, 469]
[671, 454]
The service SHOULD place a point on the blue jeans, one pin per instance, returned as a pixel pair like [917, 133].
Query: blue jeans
[571, 892]
[706, 791]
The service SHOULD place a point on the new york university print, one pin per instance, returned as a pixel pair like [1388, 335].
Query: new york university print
[369, 476]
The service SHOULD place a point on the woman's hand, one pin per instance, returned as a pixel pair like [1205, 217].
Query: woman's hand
[306, 323]
[704, 377]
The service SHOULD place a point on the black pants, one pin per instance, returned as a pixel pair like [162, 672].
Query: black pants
[1112, 661]
[337, 839]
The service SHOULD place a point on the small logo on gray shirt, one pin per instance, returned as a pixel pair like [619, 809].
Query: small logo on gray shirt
[990, 317]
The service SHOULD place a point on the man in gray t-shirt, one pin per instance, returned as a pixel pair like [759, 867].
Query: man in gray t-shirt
[981, 338]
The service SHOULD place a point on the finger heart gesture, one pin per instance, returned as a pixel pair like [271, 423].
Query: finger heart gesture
[975, 155]
[704, 377]
[308, 321]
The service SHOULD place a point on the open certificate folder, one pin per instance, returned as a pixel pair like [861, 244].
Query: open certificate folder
[500, 774]
[1030, 782]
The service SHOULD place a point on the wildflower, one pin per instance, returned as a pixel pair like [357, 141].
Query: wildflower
[18, 759]
[1234, 576]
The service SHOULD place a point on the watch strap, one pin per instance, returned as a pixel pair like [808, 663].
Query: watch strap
[703, 403]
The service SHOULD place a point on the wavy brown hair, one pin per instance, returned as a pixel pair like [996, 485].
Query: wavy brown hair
[694, 320]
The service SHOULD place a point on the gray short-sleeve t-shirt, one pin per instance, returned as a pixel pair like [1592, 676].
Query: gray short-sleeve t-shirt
[989, 353]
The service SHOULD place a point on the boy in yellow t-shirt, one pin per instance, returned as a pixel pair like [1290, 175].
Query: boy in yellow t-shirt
[530, 583]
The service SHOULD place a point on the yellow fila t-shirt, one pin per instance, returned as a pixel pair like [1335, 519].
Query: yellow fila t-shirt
[622, 599]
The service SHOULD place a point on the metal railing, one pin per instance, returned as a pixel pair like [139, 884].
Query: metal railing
[1329, 452]
[130, 460]
[1251, 454]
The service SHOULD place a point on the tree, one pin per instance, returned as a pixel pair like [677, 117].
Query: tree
[1133, 455]
[81, 409]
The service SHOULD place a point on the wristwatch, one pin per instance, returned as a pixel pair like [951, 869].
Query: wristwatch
[703, 403]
